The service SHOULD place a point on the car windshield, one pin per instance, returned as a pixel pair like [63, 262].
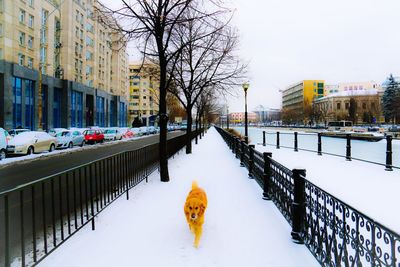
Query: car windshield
[63, 134]
[110, 131]
[90, 132]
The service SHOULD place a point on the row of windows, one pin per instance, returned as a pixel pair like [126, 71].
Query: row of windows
[22, 40]
[347, 105]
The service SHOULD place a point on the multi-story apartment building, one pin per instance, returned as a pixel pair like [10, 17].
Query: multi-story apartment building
[59, 66]
[297, 98]
[144, 92]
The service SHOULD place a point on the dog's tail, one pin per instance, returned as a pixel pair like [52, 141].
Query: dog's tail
[195, 184]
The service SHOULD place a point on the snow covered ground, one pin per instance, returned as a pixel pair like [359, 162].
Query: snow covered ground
[240, 228]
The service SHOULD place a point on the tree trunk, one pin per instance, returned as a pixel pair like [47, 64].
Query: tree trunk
[189, 130]
[164, 175]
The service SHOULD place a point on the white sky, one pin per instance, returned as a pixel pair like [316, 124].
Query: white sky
[286, 41]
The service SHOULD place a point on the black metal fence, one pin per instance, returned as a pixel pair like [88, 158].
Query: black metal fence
[38, 217]
[334, 232]
[348, 148]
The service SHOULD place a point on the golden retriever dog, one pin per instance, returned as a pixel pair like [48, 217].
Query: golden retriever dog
[195, 206]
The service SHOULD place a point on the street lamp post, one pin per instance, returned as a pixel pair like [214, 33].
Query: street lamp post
[246, 133]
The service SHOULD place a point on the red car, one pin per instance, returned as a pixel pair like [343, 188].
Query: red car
[93, 136]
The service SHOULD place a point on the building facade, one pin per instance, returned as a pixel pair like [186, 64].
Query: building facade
[238, 117]
[351, 86]
[144, 92]
[298, 98]
[57, 66]
[337, 106]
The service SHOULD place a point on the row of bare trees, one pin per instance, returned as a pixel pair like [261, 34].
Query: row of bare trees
[194, 46]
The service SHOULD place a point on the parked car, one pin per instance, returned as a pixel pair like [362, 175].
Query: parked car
[93, 136]
[55, 131]
[69, 139]
[3, 143]
[144, 130]
[151, 130]
[112, 134]
[136, 132]
[15, 132]
[127, 132]
[31, 142]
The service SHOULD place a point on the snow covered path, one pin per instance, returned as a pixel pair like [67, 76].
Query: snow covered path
[240, 228]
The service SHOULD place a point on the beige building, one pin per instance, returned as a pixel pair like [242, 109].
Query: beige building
[144, 92]
[352, 86]
[337, 106]
[83, 61]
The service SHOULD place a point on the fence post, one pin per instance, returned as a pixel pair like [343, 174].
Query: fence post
[267, 174]
[298, 205]
[296, 149]
[264, 141]
[251, 160]
[319, 144]
[277, 140]
[348, 147]
[242, 153]
[389, 153]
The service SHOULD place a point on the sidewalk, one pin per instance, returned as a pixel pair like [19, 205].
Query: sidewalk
[240, 228]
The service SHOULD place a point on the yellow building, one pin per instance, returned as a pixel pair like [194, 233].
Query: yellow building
[298, 98]
[83, 62]
[144, 92]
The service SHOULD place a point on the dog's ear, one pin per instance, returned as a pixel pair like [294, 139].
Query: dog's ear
[202, 209]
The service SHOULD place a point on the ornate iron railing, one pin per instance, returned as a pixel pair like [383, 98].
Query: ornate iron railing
[38, 217]
[334, 232]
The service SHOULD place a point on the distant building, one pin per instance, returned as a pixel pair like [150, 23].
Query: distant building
[351, 86]
[298, 98]
[238, 117]
[144, 92]
[336, 106]
[267, 114]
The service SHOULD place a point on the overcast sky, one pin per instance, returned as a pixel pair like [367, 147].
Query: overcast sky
[287, 41]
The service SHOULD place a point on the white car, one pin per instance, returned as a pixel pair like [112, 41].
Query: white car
[152, 130]
[55, 131]
[112, 134]
[15, 132]
[69, 139]
[31, 142]
[3, 143]
[136, 132]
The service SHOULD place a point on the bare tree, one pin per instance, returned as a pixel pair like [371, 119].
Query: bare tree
[207, 62]
[153, 25]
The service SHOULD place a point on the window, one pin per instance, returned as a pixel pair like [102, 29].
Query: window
[30, 42]
[22, 14]
[89, 27]
[30, 62]
[31, 3]
[338, 106]
[29, 104]
[89, 41]
[31, 20]
[22, 38]
[89, 55]
[43, 54]
[364, 105]
[89, 70]
[347, 105]
[17, 102]
[21, 59]
[44, 14]
[1, 29]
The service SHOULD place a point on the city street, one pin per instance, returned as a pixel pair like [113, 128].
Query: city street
[23, 172]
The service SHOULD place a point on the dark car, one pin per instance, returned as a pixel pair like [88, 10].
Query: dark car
[93, 136]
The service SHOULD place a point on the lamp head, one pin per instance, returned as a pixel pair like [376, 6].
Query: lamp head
[246, 86]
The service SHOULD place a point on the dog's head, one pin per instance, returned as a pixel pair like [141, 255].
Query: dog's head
[194, 209]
